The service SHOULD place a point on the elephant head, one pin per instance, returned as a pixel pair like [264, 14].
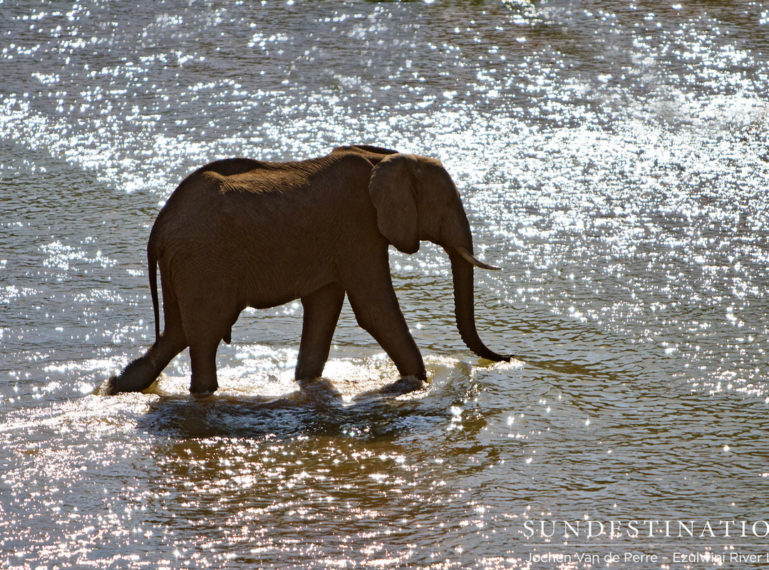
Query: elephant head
[415, 199]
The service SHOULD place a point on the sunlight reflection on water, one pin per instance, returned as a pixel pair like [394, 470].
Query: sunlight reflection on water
[612, 159]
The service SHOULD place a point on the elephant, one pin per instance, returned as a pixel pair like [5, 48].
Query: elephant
[240, 233]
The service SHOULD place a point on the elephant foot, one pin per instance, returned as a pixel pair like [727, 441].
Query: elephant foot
[202, 395]
[114, 385]
[403, 385]
[319, 389]
[137, 376]
[109, 387]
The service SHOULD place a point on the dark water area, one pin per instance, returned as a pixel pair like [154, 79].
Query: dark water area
[613, 159]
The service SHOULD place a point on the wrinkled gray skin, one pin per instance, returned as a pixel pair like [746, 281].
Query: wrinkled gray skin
[243, 233]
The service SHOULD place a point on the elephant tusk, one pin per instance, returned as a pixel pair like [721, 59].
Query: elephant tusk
[468, 257]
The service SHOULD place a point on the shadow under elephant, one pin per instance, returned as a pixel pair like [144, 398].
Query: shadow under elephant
[315, 408]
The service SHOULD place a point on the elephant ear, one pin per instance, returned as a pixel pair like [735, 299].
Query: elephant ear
[392, 188]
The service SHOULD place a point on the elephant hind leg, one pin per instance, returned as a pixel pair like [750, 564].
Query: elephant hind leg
[143, 371]
[321, 312]
[203, 362]
[205, 326]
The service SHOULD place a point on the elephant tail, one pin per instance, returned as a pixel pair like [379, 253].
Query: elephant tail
[152, 264]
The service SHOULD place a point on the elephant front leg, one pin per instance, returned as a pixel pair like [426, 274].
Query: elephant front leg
[321, 313]
[377, 311]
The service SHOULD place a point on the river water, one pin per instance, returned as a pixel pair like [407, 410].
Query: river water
[613, 160]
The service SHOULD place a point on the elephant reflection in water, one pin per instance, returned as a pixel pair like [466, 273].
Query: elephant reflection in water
[243, 233]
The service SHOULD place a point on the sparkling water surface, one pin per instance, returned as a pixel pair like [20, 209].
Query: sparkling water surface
[613, 159]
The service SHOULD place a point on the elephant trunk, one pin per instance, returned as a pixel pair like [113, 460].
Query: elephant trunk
[462, 271]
